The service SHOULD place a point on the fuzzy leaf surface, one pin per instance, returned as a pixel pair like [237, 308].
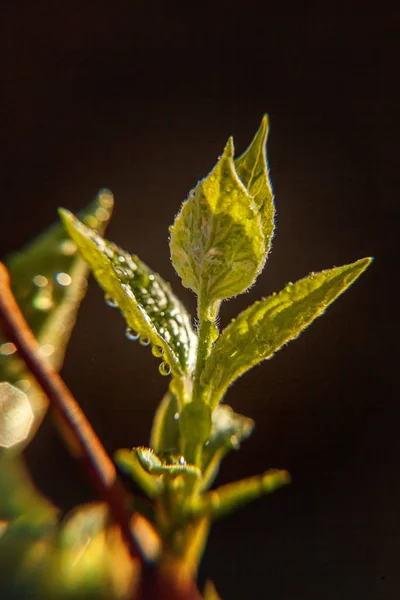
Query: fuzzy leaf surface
[217, 244]
[252, 169]
[263, 328]
[49, 281]
[144, 298]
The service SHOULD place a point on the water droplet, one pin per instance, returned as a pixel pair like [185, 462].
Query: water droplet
[131, 334]
[100, 243]
[68, 248]
[63, 279]
[121, 258]
[8, 348]
[144, 341]
[182, 460]
[176, 416]
[110, 301]
[157, 351]
[164, 369]
[119, 272]
[40, 280]
[151, 277]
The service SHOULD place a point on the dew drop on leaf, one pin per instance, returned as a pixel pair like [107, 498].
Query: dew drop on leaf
[131, 334]
[144, 341]
[164, 369]
[110, 301]
[157, 351]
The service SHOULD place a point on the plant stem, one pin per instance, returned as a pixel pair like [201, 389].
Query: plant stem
[207, 316]
[92, 452]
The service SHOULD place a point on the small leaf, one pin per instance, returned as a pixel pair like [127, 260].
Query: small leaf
[165, 430]
[167, 464]
[217, 244]
[128, 463]
[146, 301]
[228, 430]
[49, 280]
[252, 168]
[227, 498]
[263, 328]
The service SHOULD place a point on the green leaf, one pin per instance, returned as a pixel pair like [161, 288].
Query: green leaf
[252, 168]
[164, 435]
[229, 429]
[217, 244]
[167, 464]
[128, 463]
[150, 308]
[263, 328]
[227, 498]
[49, 280]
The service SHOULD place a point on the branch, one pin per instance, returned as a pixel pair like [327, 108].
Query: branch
[80, 432]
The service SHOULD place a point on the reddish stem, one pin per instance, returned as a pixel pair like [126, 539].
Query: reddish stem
[92, 452]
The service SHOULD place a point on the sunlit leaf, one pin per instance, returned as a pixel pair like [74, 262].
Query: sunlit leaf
[228, 430]
[252, 168]
[217, 244]
[49, 280]
[263, 328]
[227, 498]
[150, 308]
[166, 464]
[129, 465]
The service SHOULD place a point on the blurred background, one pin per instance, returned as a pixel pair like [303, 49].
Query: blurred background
[140, 97]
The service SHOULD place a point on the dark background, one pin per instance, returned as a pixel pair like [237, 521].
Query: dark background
[141, 97]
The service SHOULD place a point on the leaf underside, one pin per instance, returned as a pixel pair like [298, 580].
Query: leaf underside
[144, 298]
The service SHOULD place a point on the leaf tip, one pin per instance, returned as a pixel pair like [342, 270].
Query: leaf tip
[229, 148]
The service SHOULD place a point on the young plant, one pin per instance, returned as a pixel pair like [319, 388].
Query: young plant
[219, 244]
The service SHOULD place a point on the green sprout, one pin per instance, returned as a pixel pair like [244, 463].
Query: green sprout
[219, 243]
